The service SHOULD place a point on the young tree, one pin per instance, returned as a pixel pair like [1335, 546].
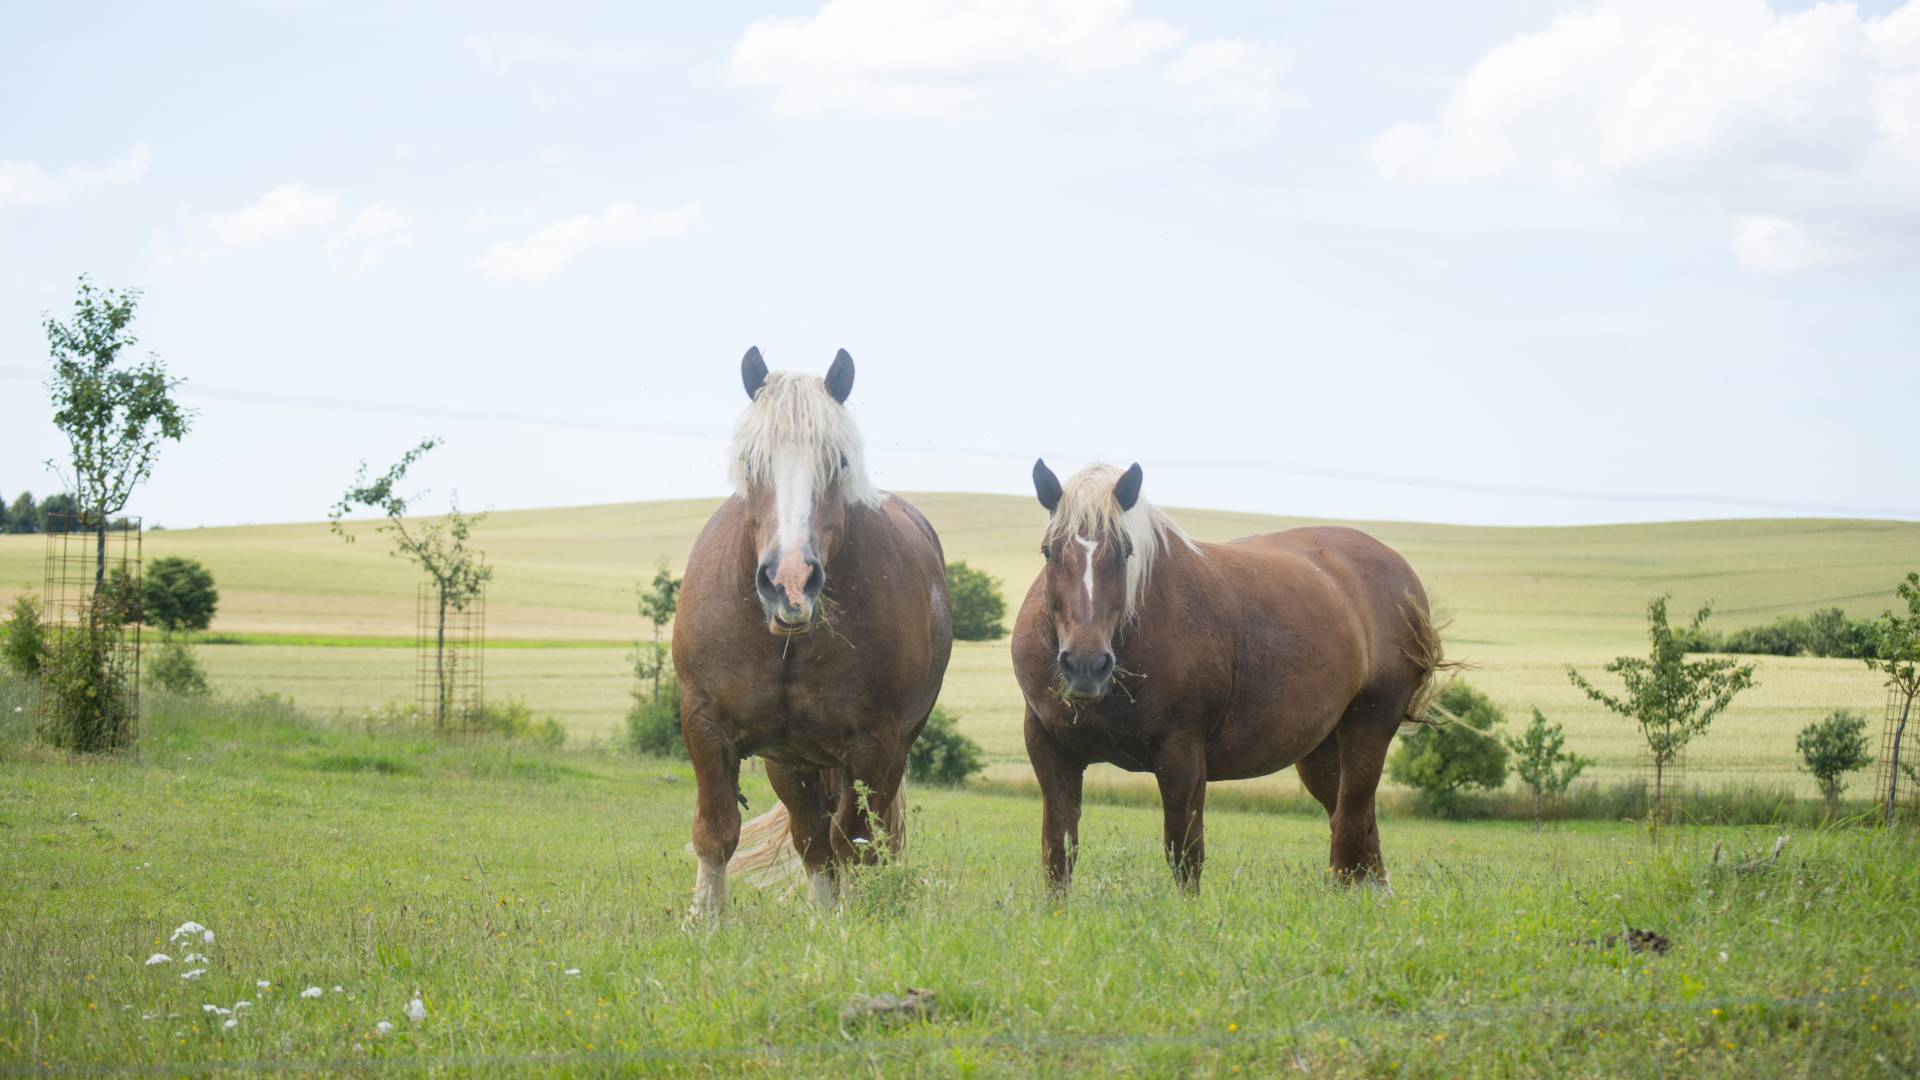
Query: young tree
[1541, 759]
[974, 598]
[1896, 653]
[23, 637]
[658, 601]
[1456, 749]
[439, 548]
[113, 414]
[178, 594]
[1671, 698]
[1832, 748]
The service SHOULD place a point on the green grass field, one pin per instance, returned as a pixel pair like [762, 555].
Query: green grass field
[1523, 603]
[533, 901]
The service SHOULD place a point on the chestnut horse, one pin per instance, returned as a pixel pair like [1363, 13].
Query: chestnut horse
[1138, 647]
[814, 631]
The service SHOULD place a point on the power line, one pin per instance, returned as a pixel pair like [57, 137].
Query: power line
[575, 422]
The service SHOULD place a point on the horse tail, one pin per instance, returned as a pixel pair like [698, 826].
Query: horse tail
[765, 857]
[1424, 648]
[894, 821]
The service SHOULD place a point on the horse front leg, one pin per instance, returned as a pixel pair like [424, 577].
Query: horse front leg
[809, 801]
[1060, 786]
[874, 776]
[716, 814]
[1182, 773]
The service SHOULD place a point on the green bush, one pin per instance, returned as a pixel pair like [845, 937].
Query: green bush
[1832, 748]
[1454, 750]
[653, 724]
[941, 755]
[1826, 632]
[514, 719]
[23, 637]
[975, 600]
[88, 703]
[175, 669]
[177, 594]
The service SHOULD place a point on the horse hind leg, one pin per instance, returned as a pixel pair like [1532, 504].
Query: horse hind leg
[1320, 771]
[807, 793]
[1365, 734]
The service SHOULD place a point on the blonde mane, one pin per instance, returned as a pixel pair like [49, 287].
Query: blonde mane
[1088, 509]
[793, 414]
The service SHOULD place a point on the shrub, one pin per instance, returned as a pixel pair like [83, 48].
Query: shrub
[1456, 749]
[1826, 632]
[23, 638]
[1832, 748]
[941, 755]
[974, 597]
[653, 724]
[87, 704]
[514, 719]
[177, 594]
[1541, 760]
[175, 669]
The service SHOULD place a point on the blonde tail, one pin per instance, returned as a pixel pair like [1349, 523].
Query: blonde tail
[766, 857]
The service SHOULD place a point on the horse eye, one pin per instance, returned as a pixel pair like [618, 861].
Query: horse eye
[1046, 552]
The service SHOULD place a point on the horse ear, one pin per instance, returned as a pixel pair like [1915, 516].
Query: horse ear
[1046, 485]
[840, 377]
[1126, 490]
[753, 371]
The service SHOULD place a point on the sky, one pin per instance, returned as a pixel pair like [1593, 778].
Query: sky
[1487, 263]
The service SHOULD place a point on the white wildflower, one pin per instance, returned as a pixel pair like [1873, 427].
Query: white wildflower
[206, 937]
[194, 974]
[159, 958]
[416, 1009]
[186, 930]
[194, 958]
[231, 1024]
[338, 990]
[243, 1005]
[384, 1027]
[215, 1010]
[311, 992]
[571, 971]
[264, 984]
[149, 1016]
[1723, 956]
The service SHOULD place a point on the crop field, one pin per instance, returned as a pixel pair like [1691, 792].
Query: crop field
[532, 901]
[328, 623]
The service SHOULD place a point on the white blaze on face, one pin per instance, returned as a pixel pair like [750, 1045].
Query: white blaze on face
[1091, 546]
[793, 499]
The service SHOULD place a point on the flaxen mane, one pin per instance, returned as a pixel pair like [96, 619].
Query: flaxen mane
[792, 414]
[1088, 509]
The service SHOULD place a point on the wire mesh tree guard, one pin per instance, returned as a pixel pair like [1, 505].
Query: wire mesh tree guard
[1666, 789]
[450, 667]
[91, 593]
[1895, 785]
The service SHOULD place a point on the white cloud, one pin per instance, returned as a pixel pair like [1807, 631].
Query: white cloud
[512, 54]
[375, 234]
[24, 183]
[292, 210]
[1233, 74]
[552, 247]
[939, 57]
[1805, 126]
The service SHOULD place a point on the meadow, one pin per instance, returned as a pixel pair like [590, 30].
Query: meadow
[532, 901]
[329, 623]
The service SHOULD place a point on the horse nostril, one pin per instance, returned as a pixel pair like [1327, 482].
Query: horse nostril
[763, 581]
[1064, 660]
[816, 578]
[1106, 666]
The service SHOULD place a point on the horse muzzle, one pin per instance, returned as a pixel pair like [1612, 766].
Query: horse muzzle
[1086, 675]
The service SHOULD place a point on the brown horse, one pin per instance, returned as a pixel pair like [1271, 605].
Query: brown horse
[813, 631]
[1197, 662]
